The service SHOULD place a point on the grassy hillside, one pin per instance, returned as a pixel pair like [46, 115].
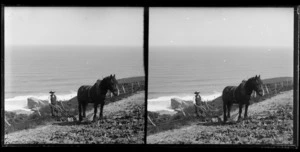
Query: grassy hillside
[24, 121]
[131, 79]
[270, 122]
[167, 122]
[123, 123]
[276, 80]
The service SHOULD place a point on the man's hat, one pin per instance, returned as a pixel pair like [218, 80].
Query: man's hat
[51, 92]
[197, 92]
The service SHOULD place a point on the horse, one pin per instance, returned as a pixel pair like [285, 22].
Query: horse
[96, 94]
[241, 95]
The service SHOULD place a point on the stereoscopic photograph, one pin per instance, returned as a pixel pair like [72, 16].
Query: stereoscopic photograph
[221, 76]
[74, 75]
[198, 76]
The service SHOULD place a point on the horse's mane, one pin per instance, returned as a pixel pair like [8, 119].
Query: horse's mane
[97, 84]
[106, 78]
[250, 79]
[247, 84]
[99, 81]
[242, 84]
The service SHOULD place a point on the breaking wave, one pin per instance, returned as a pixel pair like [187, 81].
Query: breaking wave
[164, 102]
[20, 102]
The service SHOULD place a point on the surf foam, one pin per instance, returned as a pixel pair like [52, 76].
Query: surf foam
[20, 102]
[164, 102]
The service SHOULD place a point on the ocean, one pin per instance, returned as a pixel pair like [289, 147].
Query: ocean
[33, 71]
[180, 71]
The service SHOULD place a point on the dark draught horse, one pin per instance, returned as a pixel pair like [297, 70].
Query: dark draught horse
[241, 95]
[96, 94]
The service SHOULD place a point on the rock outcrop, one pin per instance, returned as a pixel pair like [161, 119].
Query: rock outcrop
[177, 103]
[73, 100]
[36, 103]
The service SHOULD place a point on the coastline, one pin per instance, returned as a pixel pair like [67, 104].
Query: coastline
[23, 119]
[128, 111]
[215, 98]
[18, 104]
[270, 122]
[165, 120]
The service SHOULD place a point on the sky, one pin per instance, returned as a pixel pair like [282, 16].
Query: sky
[109, 26]
[239, 27]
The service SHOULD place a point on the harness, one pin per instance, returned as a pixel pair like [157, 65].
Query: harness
[234, 89]
[89, 94]
[97, 90]
[233, 94]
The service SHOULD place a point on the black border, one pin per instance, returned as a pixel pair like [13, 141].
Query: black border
[2, 74]
[296, 35]
[145, 56]
[296, 74]
[146, 4]
[146, 47]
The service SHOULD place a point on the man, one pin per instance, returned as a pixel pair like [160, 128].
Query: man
[53, 103]
[198, 104]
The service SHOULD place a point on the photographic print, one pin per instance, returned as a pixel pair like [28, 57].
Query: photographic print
[74, 75]
[220, 76]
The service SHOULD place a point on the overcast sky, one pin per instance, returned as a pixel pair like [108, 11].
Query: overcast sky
[74, 26]
[256, 27]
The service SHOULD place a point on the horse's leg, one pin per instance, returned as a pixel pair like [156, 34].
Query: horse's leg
[229, 109]
[95, 112]
[240, 111]
[101, 111]
[84, 109]
[224, 110]
[79, 110]
[246, 111]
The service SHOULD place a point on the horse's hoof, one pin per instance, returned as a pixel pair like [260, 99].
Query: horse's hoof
[95, 120]
[99, 122]
[240, 119]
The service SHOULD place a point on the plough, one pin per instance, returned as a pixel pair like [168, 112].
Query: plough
[207, 112]
[60, 109]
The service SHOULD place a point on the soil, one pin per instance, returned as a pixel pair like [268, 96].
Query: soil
[123, 123]
[268, 122]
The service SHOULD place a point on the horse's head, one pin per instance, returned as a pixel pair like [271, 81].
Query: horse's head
[112, 84]
[257, 85]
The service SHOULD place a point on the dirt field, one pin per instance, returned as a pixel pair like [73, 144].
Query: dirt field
[269, 122]
[123, 123]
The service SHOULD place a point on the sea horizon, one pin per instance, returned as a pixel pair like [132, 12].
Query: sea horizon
[177, 72]
[33, 71]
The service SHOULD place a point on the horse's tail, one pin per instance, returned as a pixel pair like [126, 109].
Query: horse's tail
[224, 112]
[224, 103]
[79, 103]
[79, 111]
